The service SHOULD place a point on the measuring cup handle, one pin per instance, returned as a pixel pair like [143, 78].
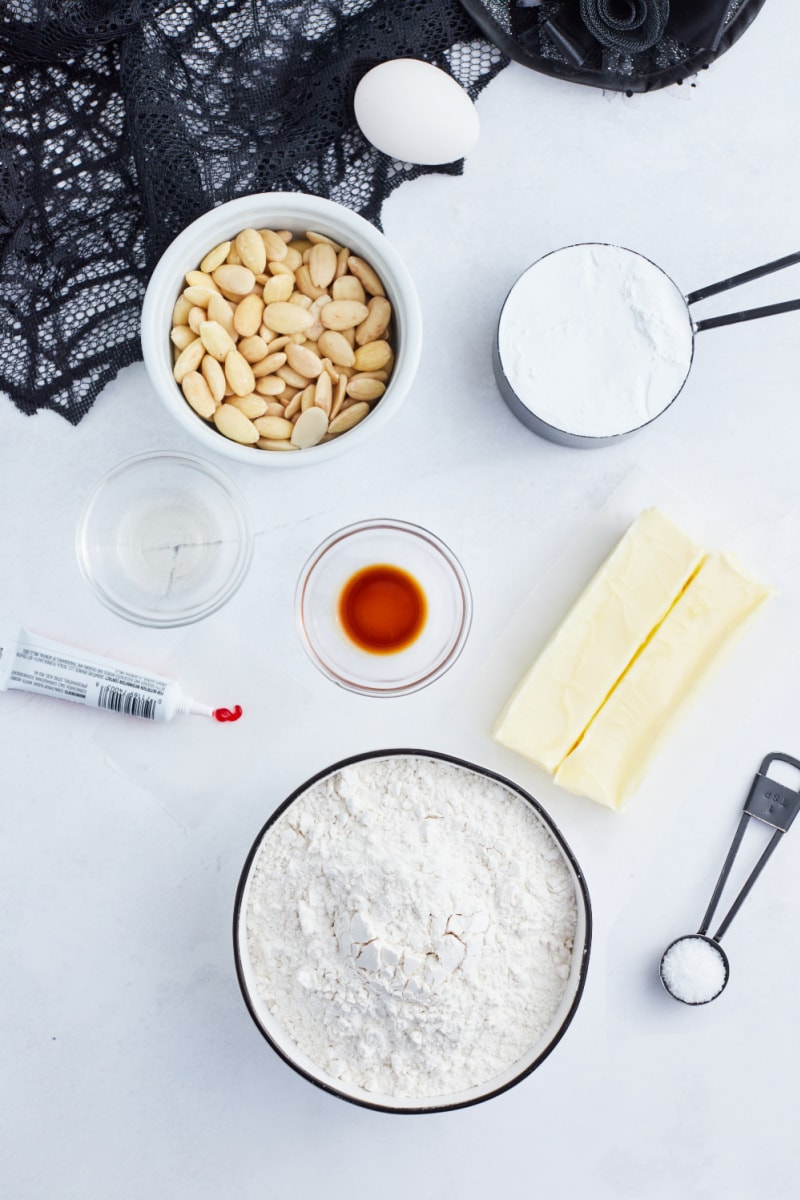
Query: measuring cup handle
[751, 314]
[725, 285]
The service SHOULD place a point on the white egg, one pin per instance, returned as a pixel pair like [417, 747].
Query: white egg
[416, 113]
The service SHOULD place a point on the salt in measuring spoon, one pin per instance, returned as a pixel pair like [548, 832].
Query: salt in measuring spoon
[694, 969]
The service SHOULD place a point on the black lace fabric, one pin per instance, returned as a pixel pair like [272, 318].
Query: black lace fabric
[123, 120]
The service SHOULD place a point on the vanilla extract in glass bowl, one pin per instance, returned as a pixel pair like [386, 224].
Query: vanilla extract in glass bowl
[383, 608]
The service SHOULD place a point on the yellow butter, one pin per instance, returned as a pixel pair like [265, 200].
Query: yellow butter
[593, 645]
[611, 758]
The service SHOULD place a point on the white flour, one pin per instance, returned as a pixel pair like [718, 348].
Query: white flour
[595, 340]
[410, 925]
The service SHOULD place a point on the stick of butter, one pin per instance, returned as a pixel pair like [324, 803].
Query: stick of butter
[592, 647]
[614, 752]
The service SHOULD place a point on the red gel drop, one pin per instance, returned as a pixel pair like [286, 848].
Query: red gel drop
[227, 714]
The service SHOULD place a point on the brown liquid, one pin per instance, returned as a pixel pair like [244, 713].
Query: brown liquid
[382, 609]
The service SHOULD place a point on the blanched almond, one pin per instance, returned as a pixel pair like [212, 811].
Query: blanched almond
[289, 318]
[276, 428]
[343, 314]
[382, 375]
[247, 318]
[270, 385]
[348, 418]
[373, 356]
[323, 393]
[235, 425]
[361, 388]
[188, 360]
[221, 311]
[292, 377]
[217, 342]
[336, 347]
[215, 258]
[307, 397]
[363, 271]
[376, 323]
[306, 285]
[272, 444]
[274, 244]
[180, 313]
[322, 264]
[252, 405]
[200, 279]
[293, 406]
[316, 238]
[181, 335]
[200, 296]
[239, 373]
[341, 262]
[252, 251]
[196, 391]
[313, 332]
[196, 318]
[339, 393]
[279, 287]
[304, 361]
[238, 280]
[269, 364]
[214, 376]
[347, 287]
[310, 428]
[254, 349]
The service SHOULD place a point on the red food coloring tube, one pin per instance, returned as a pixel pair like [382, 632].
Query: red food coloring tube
[31, 663]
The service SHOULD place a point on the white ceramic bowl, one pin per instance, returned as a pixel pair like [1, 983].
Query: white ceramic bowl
[298, 212]
[272, 1030]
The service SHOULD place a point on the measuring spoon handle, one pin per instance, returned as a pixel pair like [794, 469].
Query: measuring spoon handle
[774, 804]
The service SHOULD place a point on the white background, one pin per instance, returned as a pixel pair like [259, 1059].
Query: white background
[130, 1067]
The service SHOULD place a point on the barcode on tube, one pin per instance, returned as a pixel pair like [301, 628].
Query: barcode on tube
[130, 703]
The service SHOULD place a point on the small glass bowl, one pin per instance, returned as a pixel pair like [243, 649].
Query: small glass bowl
[415, 551]
[164, 539]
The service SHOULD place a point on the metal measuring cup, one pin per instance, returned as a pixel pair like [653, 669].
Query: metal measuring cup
[533, 421]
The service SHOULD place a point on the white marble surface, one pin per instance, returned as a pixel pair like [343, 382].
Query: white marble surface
[130, 1065]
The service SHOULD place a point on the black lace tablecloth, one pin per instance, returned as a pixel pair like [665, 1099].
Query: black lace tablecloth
[123, 120]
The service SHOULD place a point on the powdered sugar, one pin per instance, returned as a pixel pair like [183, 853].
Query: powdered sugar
[410, 926]
[595, 340]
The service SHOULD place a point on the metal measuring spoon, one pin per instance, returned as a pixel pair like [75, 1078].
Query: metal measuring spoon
[694, 969]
